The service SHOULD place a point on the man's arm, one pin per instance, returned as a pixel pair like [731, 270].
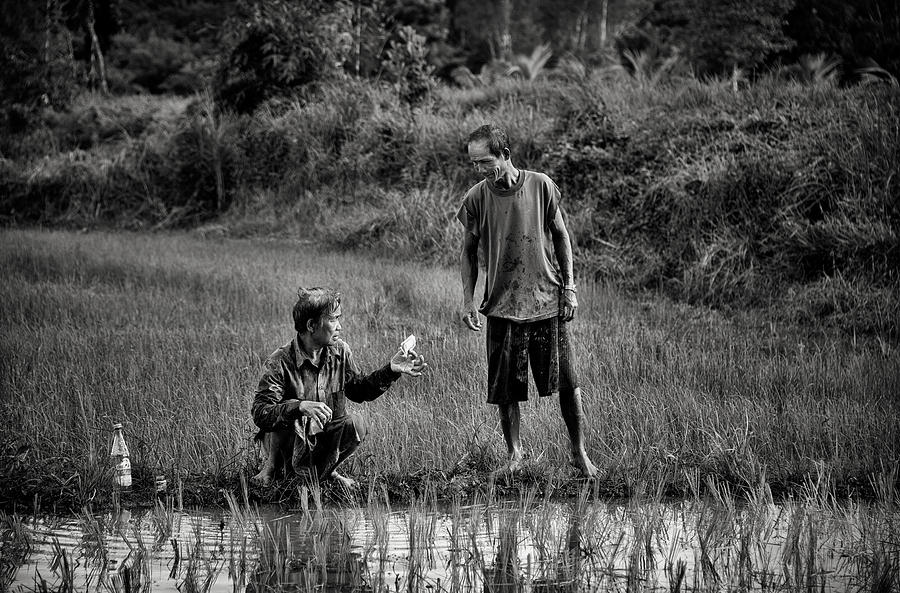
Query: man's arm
[365, 388]
[468, 266]
[270, 411]
[562, 245]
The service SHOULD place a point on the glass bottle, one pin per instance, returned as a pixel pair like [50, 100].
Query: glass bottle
[119, 454]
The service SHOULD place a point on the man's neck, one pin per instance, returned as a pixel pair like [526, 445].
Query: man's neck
[309, 347]
[508, 179]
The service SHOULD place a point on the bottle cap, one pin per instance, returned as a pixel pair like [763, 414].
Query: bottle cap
[117, 425]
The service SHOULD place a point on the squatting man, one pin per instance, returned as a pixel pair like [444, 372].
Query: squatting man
[300, 403]
[529, 291]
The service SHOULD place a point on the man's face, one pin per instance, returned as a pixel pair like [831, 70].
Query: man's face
[489, 166]
[329, 328]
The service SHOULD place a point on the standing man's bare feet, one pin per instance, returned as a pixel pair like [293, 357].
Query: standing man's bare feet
[583, 464]
[512, 465]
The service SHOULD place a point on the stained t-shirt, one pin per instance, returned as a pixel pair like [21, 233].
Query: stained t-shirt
[522, 280]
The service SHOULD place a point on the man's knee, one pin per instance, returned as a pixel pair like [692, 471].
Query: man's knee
[356, 427]
[348, 430]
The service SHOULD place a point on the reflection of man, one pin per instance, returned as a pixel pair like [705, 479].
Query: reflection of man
[300, 403]
[505, 576]
[529, 289]
[323, 557]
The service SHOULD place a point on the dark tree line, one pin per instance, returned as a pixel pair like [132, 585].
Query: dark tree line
[52, 47]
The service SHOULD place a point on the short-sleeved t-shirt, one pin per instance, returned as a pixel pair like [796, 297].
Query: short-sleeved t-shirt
[522, 280]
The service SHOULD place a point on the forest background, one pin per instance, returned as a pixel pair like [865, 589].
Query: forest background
[732, 155]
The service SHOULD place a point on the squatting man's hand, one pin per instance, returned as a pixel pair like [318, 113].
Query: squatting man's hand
[316, 410]
[411, 364]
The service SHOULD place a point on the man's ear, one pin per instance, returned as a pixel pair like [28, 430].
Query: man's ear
[506, 154]
[311, 325]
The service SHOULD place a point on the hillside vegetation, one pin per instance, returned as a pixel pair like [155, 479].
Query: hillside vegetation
[779, 196]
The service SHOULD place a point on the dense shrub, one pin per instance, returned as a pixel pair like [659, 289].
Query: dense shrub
[277, 47]
[720, 198]
[154, 64]
[204, 158]
[406, 64]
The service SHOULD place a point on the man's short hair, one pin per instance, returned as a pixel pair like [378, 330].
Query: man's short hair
[313, 303]
[496, 137]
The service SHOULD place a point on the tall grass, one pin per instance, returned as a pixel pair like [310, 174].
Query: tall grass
[166, 333]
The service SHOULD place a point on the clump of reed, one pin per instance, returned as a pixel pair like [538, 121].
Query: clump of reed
[533, 541]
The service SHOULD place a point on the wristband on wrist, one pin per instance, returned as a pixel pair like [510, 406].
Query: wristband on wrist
[570, 287]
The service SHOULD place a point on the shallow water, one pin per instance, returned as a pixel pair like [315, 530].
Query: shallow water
[526, 545]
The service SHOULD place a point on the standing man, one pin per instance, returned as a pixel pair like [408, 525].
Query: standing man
[529, 292]
[300, 403]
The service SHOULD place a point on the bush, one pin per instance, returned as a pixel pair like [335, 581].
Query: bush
[153, 64]
[406, 64]
[38, 69]
[277, 47]
[717, 198]
[204, 159]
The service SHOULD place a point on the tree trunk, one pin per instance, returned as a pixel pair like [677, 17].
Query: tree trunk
[358, 35]
[505, 40]
[96, 53]
[604, 17]
[47, 28]
[220, 177]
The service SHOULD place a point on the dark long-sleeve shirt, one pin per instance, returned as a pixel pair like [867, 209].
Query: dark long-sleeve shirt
[290, 377]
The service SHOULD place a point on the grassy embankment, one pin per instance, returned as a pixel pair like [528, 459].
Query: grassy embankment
[782, 198]
[166, 332]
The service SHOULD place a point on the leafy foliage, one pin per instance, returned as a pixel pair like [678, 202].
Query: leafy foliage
[718, 36]
[407, 65]
[533, 65]
[278, 46]
[155, 64]
[859, 33]
[36, 62]
[648, 68]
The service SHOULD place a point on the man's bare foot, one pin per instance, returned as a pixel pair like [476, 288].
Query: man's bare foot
[264, 477]
[583, 464]
[348, 483]
[512, 466]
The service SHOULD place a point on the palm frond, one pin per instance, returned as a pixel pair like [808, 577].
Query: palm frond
[531, 67]
[875, 74]
[821, 69]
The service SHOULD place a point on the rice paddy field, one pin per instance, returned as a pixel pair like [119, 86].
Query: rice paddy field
[166, 333]
[736, 454]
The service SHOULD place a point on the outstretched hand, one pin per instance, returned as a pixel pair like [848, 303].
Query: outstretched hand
[412, 364]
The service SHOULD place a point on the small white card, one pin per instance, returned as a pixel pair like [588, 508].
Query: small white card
[408, 344]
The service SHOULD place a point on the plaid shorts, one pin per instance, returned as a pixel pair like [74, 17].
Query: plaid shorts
[510, 348]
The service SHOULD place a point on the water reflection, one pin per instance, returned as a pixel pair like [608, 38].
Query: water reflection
[492, 546]
[308, 552]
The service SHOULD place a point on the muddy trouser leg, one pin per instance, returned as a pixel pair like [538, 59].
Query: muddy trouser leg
[325, 451]
[276, 449]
